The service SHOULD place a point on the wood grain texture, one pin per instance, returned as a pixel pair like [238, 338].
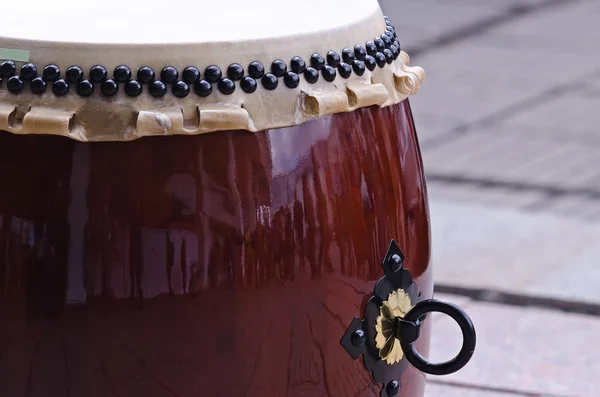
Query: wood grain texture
[227, 264]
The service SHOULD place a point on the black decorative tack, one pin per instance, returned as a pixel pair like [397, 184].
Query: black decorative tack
[347, 55]
[235, 72]
[14, 84]
[202, 88]
[145, 74]
[311, 75]
[360, 52]
[344, 70]
[122, 74]
[169, 74]
[291, 80]
[248, 85]
[7, 68]
[85, 88]
[380, 59]
[371, 48]
[278, 68]
[180, 89]
[358, 67]
[98, 74]
[256, 69]
[109, 87]
[333, 59]
[393, 388]
[269, 81]
[28, 71]
[51, 72]
[328, 73]
[157, 89]
[298, 65]
[386, 40]
[370, 62]
[133, 88]
[383, 49]
[317, 61]
[190, 74]
[226, 86]
[212, 74]
[74, 74]
[389, 56]
[38, 85]
[60, 87]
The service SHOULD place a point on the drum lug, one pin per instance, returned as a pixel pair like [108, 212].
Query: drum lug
[391, 325]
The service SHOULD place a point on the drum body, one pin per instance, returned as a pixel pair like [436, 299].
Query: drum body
[222, 264]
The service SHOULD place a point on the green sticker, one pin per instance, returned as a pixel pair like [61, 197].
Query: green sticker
[14, 55]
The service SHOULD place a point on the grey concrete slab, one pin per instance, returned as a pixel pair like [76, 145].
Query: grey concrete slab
[504, 249]
[553, 29]
[517, 154]
[572, 115]
[495, 197]
[462, 301]
[475, 81]
[576, 207]
[441, 390]
[527, 350]
[430, 126]
[495, 74]
[424, 21]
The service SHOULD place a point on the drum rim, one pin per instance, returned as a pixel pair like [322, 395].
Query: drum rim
[51, 98]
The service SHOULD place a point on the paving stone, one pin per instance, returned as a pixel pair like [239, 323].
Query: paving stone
[485, 75]
[442, 390]
[430, 126]
[424, 21]
[494, 154]
[505, 249]
[514, 155]
[575, 206]
[456, 299]
[495, 197]
[554, 29]
[529, 350]
[543, 159]
[570, 116]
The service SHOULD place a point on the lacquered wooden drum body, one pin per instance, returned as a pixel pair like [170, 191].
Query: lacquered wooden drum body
[223, 264]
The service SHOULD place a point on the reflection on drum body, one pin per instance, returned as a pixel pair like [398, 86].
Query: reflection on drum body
[159, 266]
[251, 222]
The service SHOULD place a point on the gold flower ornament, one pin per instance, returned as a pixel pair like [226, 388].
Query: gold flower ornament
[397, 305]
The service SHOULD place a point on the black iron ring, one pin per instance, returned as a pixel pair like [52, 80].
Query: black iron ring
[466, 326]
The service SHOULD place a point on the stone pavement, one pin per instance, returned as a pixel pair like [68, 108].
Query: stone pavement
[521, 352]
[510, 135]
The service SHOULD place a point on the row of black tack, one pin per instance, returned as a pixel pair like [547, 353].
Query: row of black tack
[377, 53]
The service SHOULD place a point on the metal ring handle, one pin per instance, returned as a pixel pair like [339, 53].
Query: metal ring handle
[468, 333]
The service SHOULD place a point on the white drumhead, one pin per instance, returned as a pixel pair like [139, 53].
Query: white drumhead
[117, 70]
[183, 21]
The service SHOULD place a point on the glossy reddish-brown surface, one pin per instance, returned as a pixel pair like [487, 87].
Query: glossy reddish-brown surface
[228, 264]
